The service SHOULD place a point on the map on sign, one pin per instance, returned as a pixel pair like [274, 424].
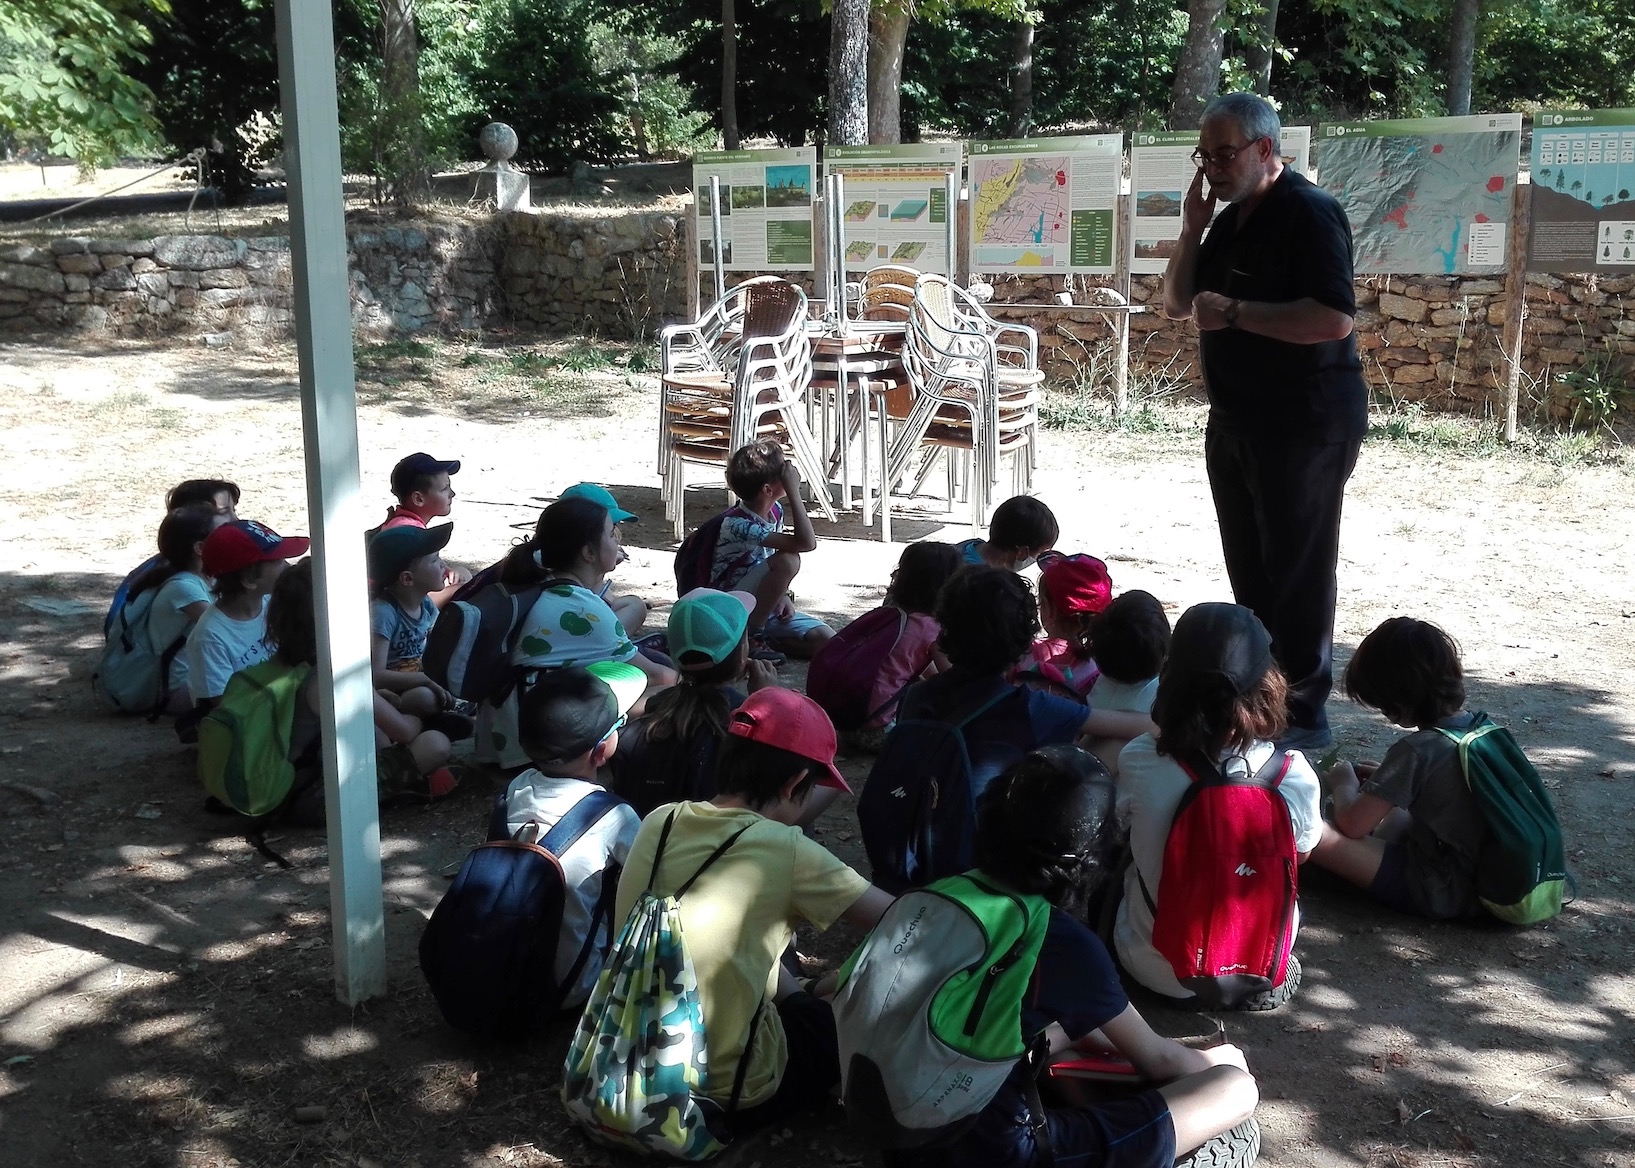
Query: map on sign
[1583, 194]
[895, 203]
[1044, 204]
[766, 208]
[1425, 195]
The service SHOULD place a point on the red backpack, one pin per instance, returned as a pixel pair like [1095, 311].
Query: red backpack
[842, 673]
[1225, 913]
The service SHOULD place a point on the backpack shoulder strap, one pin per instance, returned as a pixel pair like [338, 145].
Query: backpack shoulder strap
[581, 817]
[1005, 691]
[712, 858]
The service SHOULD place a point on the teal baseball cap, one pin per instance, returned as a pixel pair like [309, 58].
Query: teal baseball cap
[599, 495]
[708, 622]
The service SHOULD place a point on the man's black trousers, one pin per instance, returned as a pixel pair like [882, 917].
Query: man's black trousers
[1278, 501]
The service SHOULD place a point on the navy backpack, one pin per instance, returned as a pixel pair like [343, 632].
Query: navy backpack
[918, 808]
[489, 950]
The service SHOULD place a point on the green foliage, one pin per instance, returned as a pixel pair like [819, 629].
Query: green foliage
[375, 137]
[1593, 392]
[64, 80]
[532, 68]
[213, 68]
[656, 107]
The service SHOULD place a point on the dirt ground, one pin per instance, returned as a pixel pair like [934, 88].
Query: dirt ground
[166, 995]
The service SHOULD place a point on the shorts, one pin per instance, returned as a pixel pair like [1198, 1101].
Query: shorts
[790, 628]
[1390, 883]
[813, 1067]
[1133, 1132]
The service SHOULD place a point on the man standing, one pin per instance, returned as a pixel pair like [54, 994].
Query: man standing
[1270, 290]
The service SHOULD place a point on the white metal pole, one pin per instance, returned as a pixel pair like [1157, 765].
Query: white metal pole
[329, 421]
[951, 188]
[715, 234]
[839, 220]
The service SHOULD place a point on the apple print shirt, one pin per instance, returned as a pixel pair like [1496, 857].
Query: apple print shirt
[570, 625]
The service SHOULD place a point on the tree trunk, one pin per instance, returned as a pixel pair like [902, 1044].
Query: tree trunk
[729, 75]
[848, 73]
[1258, 53]
[1021, 124]
[1461, 55]
[888, 35]
[402, 142]
[1198, 72]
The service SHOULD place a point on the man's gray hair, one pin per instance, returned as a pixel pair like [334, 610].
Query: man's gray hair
[1253, 114]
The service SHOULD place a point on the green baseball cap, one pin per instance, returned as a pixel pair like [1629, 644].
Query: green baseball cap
[599, 495]
[709, 622]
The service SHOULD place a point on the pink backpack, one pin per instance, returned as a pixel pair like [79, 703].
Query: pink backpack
[842, 673]
[1225, 913]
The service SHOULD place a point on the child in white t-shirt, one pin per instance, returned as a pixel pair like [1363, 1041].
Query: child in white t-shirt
[1220, 696]
[245, 558]
[181, 593]
[568, 722]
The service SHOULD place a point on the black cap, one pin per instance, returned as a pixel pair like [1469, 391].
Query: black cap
[393, 549]
[1226, 640]
[565, 714]
[413, 467]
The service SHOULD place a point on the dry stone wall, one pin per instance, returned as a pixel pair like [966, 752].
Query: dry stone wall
[622, 273]
[1435, 339]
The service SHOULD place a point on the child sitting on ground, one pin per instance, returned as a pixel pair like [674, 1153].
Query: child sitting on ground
[409, 759]
[902, 631]
[216, 494]
[629, 608]
[1046, 828]
[569, 725]
[755, 555]
[572, 550]
[988, 618]
[1129, 640]
[1021, 529]
[405, 566]
[669, 754]
[424, 492]
[1220, 700]
[1073, 590]
[740, 915]
[1408, 830]
[182, 594]
[245, 559]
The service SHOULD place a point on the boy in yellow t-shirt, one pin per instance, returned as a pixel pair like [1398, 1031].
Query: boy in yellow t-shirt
[740, 916]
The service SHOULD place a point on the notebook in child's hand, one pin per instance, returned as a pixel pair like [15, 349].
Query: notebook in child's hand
[1099, 1066]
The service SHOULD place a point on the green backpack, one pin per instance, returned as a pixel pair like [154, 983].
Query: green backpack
[1521, 874]
[928, 1011]
[636, 1070]
[244, 742]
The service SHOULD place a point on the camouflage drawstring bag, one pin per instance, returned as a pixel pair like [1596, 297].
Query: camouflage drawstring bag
[636, 1070]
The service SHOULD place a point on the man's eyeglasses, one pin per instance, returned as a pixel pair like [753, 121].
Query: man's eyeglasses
[1222, 158]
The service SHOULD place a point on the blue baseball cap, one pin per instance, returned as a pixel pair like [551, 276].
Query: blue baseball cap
[599, 495]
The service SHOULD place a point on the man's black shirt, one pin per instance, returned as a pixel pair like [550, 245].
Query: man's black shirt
[1296, 244]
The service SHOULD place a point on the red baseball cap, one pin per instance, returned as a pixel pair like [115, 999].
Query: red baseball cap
[244, 542]
[1076, 583]
[790, 721]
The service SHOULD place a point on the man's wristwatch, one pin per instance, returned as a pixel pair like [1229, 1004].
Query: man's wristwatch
[1231, 314]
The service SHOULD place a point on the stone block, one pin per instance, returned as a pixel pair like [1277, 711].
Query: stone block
[17, 274]
[1547, 325]
[110, 261]
[1561, 356]
[27, 253]
[1495, 313]
[125, 247]
[1413, 375]
[142, 264]
[1625, 328]
[186, 297]
[1447, 316]
[224, 278]
[1409, 356]
[182, 279]
[1403, 308]
[69, 245]
[1537, 294]
[76, 283]
[198, 252]
[1480, 287]
[221, 297]
[76, 298]
[154, 283]
[79, 263]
